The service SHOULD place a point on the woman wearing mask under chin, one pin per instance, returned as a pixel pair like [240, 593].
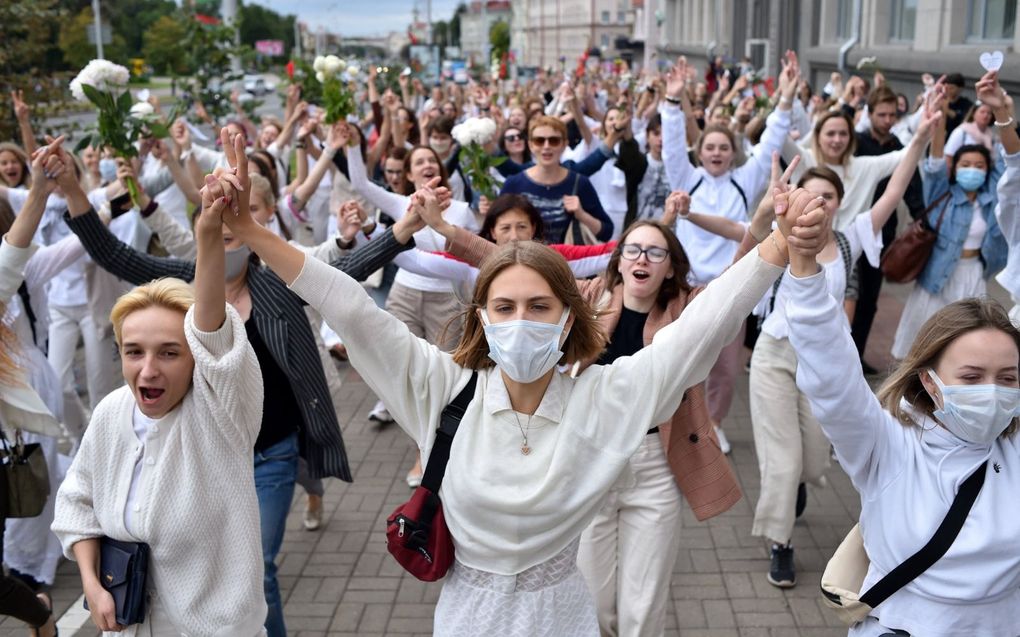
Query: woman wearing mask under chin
[297, 399]
[970, 247]
[949, 410]
[536, 451]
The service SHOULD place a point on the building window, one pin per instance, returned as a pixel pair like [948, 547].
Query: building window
[903, 14]
[621, 16]
[991, 19]
[605, 17]
[605, 41]
[844, 18]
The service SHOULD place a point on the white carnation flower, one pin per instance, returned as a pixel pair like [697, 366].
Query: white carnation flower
[333, 65]
[353, 71]
[320, 64]
[320, 76]
[474, 131]
[101, 75]
[141, 110]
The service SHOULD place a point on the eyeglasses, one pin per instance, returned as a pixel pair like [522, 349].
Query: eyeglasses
[632, 252]
[513, 137]
[540, 141]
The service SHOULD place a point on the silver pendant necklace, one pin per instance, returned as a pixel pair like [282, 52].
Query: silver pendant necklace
[525, 449]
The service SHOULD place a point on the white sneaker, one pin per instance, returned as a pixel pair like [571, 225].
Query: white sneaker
[380, 414]
[724, 444]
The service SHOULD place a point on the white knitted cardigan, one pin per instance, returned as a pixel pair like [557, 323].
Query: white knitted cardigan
[199, 511]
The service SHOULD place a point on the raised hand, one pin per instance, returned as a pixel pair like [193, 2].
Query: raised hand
[350, 218]
[21, 109]
[789, 78]
[339, 136]
[676, 78]
[989, 92]
[180, 134]
[48, 166]
[237, 174]
[678, 204]
[802, 222]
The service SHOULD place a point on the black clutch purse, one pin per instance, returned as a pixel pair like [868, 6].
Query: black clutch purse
[123, 567]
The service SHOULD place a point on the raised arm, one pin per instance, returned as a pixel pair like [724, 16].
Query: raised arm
[23, 114]
[334, 142]
[679, 171]
[897, 186]
[389, 203]
[49, 164]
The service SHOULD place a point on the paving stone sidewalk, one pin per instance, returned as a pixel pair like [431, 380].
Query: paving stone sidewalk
[340, 580]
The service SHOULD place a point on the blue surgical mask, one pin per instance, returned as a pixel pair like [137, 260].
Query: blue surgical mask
[108, 169]
[970, 179]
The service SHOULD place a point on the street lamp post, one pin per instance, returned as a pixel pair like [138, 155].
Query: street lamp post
[99, 29]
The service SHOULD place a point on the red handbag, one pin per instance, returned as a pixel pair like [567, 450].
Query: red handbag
[416, 533]
[905, 258]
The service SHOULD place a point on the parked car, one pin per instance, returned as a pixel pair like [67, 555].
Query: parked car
[256, 85]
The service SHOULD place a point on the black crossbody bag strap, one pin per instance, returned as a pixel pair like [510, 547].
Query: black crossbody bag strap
[448, 424]
[936, 547]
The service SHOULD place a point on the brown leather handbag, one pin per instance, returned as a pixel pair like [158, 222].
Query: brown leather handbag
[907, 255]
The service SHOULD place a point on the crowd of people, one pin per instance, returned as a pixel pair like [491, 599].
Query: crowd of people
[647, 231]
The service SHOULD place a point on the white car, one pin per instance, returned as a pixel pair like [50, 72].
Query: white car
[256, 85]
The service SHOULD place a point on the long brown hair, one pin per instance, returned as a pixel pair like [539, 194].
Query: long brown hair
[671, 287]
[585, 339]
[409, 186]
[23, 159]
[937, 333]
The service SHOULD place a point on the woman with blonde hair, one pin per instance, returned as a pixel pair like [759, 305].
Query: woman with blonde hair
[187, 419]
[537, 450]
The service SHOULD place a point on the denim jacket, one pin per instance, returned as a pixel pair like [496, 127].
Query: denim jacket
[956, 223]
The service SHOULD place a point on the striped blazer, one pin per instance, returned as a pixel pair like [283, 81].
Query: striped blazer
[281, 320]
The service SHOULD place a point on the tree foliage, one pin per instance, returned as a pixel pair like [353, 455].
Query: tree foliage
[499, 38]
[164, 46]
[78, 51]
[260, 23]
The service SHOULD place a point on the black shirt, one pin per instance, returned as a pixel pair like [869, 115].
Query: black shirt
[960, 106]
[867, 145]
[280, 412]
[628, 337]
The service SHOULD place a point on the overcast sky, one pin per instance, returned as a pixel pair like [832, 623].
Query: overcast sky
[359, 17]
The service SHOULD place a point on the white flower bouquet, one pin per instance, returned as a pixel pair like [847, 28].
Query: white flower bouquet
[121, 121]
[337, 97]
[472, 136]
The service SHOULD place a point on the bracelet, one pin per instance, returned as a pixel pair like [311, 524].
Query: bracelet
[149, 209]
[299, 145]
[1006, 123]
[775, 244]
[673, 100]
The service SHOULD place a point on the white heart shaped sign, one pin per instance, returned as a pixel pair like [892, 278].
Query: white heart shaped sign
[992, 61]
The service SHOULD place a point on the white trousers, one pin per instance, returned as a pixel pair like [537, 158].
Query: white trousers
[789, 442]
[102, 370]
[628, 553]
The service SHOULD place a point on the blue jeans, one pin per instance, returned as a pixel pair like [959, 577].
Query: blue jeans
[275, 471]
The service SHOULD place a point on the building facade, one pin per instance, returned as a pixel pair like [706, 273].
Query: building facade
[551, 33]
[475, 24]
[907, 37]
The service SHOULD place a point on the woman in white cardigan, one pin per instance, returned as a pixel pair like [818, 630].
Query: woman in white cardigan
[188, 418]
[949, 407]
[537, 450]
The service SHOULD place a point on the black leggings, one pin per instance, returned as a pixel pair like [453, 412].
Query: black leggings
[16, 599]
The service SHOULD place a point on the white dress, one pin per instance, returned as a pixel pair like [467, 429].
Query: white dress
[547, 600]
[966, 281]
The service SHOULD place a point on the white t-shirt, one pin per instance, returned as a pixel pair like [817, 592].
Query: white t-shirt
[145, 429]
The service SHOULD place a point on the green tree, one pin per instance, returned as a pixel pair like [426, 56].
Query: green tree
[74, 42]
[455, 24]
[260, 23]
[441, 33]
[499, 38]
[131, 19]
[164, 46]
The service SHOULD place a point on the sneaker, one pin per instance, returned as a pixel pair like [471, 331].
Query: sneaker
[801, 499]
[313, 513]
[724, 444]
[781, 571]
[413, 479]
[380, 414]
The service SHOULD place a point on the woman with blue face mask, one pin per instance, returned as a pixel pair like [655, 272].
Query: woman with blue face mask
[948, 411]
[970, 247]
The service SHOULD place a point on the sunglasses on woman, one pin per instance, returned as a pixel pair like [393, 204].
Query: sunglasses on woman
[540, 140]
[513, 137]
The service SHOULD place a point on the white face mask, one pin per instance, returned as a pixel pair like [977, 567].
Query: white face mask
[235, 260]
[976, 413]
[525, 350]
